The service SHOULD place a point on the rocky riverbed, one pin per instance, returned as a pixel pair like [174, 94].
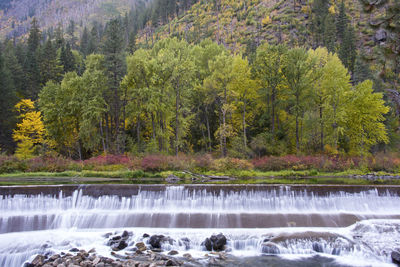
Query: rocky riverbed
[125, 253]
[151, 252]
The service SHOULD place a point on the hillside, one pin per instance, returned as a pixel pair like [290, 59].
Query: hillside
[242, 26]
[16, 15]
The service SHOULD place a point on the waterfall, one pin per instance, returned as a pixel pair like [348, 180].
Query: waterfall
[297, 220]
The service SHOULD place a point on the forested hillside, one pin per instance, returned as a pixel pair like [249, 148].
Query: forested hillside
[237, 78]
[16, 15]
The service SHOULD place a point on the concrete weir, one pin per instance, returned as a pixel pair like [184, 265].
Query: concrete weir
[346, 221]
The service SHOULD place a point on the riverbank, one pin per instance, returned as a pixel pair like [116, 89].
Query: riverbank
[352, 177]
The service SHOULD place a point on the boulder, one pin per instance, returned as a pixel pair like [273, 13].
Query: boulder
[270, 248]
[141, 246]
[156, 241]
[395, 257]
[215, 242]
[119, 246]
[38, 260]
[173, 252]
[380, 36]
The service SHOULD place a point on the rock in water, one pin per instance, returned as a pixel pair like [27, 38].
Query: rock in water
[119, 246]
[396, 257]
[156, 241]
[215, 242]
[270, 248]
[317, 247]
[208, 244]
[38, 260]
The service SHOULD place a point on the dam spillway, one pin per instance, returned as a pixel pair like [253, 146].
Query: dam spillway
[364, 220]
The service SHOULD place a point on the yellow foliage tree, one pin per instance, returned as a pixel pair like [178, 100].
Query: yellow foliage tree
[267, 20]
[30, 132]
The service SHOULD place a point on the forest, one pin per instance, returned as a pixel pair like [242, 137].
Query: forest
[110, 92]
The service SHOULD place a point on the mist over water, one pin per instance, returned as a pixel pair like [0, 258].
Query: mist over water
[347, 227]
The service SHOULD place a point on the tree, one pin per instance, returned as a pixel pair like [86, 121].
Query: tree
[331, 87]
[297, 70]
[67, 59]
[221, 76]
[7, 101]
[267, 67]
[84, 45]
[320, 11]
[329, 33]
[50, 68]
[347, 50]
[245, 90]
[341, 21]
[29, 133]
[31, 62]
[364, 118]
[113, 48]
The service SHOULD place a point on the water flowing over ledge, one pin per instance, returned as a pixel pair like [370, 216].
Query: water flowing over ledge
[349, 224]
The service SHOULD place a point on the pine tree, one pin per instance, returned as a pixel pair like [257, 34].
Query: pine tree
[320, 11]
[31, 62]
[361, 69]
[342, 21]
[347, 50]
[84, 42]
[67, 58]
[113, 48]
[329, 33]
[7, 101]
[12, 63]
[50, 69]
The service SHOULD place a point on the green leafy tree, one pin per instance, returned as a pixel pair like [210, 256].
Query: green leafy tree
[297, 70]
[364, 118]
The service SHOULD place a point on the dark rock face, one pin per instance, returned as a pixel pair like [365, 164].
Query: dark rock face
[215, 242]
[380, 36]
[396, 257]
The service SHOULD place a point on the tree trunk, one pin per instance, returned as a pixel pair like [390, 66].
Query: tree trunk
[322, 127]
[273, 112]
[102, 136]
[138, 133]
[224, 151]
[177, 120]
[244, 125]
[208, 130]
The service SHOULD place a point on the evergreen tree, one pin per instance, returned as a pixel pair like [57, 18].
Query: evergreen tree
[50, 69]
[31, 62]
[113, 48]
[67, 58]
[14, 66]
[7, 101]
[341, 21]
[320, 11]
[329, 33]
[347, 50]
[84, 42]
[361, 69]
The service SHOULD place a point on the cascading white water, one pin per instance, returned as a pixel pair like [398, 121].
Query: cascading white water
[40, 223]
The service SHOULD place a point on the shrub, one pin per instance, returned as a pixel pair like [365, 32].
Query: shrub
[48, 164]
[225, 164]
[154, 163]
[10, 164]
